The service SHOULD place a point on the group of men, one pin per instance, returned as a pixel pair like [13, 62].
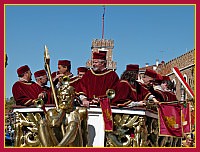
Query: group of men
[91, 84]
[26, 92]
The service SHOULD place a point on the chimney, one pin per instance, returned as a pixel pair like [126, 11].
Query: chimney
[154, 68]
[147, 64]
[157, 62]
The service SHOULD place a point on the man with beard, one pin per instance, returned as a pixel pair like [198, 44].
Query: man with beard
[42, 79]
[96, 81]
[25, 91]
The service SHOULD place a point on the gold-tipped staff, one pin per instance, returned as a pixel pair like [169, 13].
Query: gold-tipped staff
[47, 67]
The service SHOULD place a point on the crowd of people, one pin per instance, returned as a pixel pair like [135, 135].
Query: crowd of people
[90, 84]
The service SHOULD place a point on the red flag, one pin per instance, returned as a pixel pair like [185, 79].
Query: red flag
[107, 114]
[169, 119]
[186, 118]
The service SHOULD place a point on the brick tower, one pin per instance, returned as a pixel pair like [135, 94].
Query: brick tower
[103, 46]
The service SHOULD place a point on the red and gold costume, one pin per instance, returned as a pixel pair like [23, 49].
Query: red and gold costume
[74, 82]
[94, 84]
[123, 93]
[170, 96]
[25, 93]
[142, 93]
[133, 91]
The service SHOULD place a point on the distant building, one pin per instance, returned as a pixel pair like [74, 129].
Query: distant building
[103, 46]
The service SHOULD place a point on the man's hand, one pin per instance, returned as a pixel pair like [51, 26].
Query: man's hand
[42, 95]
[95, 101]
[136, 104]
[86, 103]
[155, 101]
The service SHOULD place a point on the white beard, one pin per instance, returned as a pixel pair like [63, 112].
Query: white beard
[95, 69]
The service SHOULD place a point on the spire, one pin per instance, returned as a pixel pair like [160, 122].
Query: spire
[104, 9]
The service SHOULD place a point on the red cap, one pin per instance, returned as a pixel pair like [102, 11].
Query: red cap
[40, 73]
[132, 67]
[166, 78]
[159, 77]
[150, 73]
[82, 69]
[22, 69]
[101, 56]
[64, 62]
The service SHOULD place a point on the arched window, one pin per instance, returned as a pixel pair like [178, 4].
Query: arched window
[174, 86]
[182, 89]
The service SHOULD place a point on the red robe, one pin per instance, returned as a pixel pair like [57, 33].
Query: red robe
[170, 96]
[124, 93]
[160, 95]
[74, 82]
[25, 93]
[142, 93]
[96, 84]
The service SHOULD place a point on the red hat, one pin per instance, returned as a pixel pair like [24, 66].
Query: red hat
[166, 78]
[40, 73]
[101, 56]
[132, 67]
[150, 73]
[22, 69]
[158, 77]
[82, 69]
[64, 62]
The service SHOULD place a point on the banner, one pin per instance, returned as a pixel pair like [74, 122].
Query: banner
[186, 118]
[169, 119]
[107, 114]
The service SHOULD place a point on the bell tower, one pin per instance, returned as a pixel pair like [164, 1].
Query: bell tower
[103, 46]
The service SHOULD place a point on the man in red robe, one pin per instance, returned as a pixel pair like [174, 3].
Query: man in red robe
[42, 79]
[64, 69]
[96, 81]
[25, 91]
[130, 92]
[167, 87]
[152, 81]
[80, 73]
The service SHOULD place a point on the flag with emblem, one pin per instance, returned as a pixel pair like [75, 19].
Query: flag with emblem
[107, 114]
[169, 119]
[186, 118]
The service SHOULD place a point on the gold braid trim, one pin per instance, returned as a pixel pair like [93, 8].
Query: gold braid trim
[101, 73]
[27, 83]
[29, 101]
[74, 80]
[129, 85]
[146, 97]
